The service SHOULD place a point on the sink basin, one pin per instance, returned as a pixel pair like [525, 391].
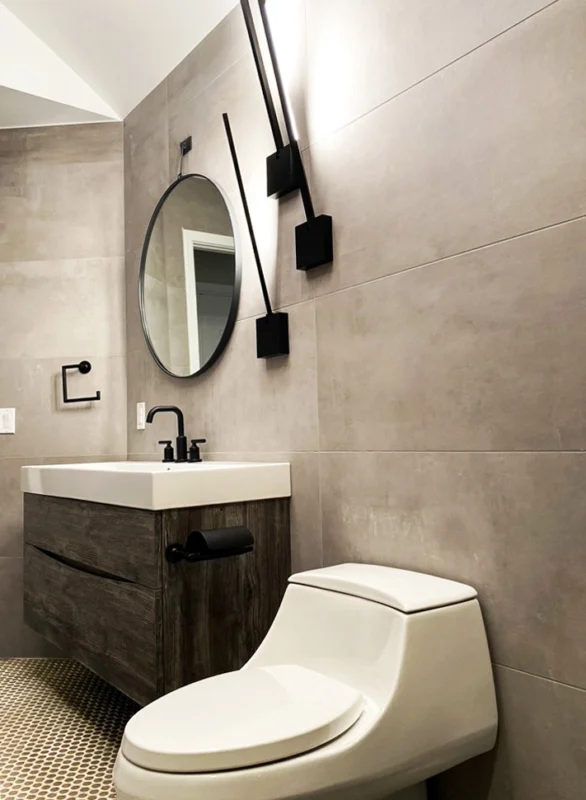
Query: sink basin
[157, 486]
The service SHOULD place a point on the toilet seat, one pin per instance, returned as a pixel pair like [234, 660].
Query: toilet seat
[240, 719]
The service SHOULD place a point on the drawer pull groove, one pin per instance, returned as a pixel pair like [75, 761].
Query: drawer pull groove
[73, 564]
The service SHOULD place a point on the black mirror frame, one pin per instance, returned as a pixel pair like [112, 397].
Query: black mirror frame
[231, 321]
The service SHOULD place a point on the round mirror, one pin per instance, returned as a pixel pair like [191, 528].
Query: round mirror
[190, 277]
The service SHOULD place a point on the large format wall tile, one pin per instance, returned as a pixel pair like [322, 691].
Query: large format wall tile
[274, 226]
[72, 201]
[74, 212]
[265, 219]
[13, 160]
[47, 427]
[362, 54]
[148, 115]
[235, 91]
[146, 172]
[75, 144]
[43, 302]
[509, 524]
[147, 383]
[306, 539]
[267, 405]
[488, 148]
[221, 48]
[134, 334]
[242, 403]
[483, 351]
[540, 754]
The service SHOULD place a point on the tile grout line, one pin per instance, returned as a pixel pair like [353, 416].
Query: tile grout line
[433, 74]
[203, 90]
[369, 452]
[423, 265]
[61, 357]
[65, 259]
[318, 415]
[75, 455]
[541, 677]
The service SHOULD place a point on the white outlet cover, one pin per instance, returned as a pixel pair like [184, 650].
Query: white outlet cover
[140, 416]
[7, 420]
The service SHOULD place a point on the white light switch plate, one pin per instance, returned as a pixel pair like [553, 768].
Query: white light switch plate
[7, 420]
[140, 416]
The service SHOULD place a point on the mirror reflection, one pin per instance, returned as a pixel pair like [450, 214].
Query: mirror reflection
[190, 277]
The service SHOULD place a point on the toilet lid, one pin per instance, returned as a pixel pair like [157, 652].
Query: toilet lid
[240, 719]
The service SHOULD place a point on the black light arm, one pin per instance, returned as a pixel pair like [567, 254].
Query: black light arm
[261, 276]
[291, 135]
[282, 165]
[262, 75]
[314, 240]
[272, 330]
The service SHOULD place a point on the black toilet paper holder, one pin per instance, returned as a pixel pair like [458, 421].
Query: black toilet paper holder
[84, 367]
[209, 545]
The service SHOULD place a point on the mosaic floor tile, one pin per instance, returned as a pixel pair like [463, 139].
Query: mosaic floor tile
[60, 729]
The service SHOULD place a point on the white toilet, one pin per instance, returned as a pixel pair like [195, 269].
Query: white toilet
[369, 681]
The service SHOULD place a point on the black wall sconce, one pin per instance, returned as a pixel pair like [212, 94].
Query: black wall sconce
[272, 330]
[314, 244]
[84, 367]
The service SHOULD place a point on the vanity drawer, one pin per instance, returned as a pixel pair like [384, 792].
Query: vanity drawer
[109, 624]
[121, 542]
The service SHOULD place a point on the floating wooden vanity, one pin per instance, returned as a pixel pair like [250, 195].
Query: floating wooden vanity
[97, 584]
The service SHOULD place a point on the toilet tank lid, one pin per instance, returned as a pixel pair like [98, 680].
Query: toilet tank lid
[406, 591]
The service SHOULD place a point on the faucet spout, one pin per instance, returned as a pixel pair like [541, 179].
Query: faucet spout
[181, 441]
[173, 409]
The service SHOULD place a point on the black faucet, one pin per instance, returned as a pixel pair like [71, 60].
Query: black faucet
[181, 441]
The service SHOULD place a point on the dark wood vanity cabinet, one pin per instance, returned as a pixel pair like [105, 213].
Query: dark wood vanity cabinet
[97, 584]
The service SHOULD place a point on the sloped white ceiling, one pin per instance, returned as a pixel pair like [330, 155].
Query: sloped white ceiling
[22, 110]
[105, 55]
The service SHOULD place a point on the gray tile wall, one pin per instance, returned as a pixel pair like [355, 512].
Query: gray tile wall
[433, 406]
[62, 286]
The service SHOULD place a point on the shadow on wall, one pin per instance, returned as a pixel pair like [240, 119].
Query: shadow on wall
[472, 780]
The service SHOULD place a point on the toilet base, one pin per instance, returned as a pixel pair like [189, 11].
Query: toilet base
[418, 792]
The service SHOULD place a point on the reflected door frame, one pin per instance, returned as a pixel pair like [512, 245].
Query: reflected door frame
[207, 242]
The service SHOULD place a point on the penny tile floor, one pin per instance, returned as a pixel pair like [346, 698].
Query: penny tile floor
[60, 729]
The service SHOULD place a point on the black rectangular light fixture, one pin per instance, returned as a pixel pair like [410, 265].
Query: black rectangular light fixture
[282, 168]
[314, 243]
[272, 330]
[283, 174]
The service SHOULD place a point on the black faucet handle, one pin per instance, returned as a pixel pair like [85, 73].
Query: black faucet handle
[168, 454]
[194, 454]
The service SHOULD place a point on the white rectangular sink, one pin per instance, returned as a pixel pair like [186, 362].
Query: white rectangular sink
[156, 486]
